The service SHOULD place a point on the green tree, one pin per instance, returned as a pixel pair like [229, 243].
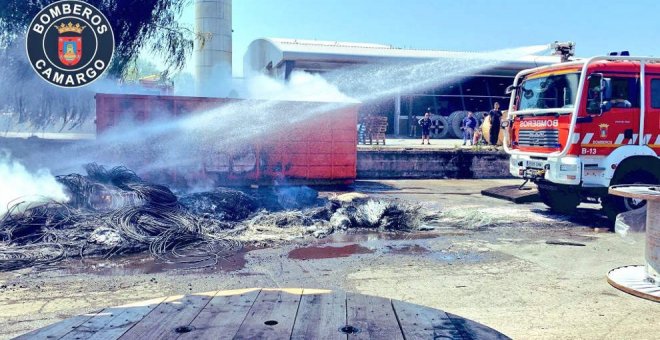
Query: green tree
[138, 25]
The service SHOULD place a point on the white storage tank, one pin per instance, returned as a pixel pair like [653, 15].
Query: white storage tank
[213, 47]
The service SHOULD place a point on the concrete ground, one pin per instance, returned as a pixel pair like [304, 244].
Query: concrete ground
[487, 261]
[416, 143]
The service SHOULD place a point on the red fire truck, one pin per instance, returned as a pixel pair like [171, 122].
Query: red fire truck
[579, 127]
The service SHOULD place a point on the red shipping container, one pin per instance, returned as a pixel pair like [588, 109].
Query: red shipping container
[318, 148]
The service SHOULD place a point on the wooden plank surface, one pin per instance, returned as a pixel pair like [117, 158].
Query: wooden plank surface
[223, 315]
[470, 329]
[112, 322]
[320, 315]
[418, 322]
[175, 311]
[373, 316]
[267, 314]
[59, 329]
[280, 306]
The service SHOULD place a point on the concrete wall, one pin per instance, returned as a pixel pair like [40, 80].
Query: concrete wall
[373, 164]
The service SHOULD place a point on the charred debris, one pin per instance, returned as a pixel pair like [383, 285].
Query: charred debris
[114, 212]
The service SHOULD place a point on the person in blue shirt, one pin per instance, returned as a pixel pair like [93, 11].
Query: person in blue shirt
[426, 123]
[468, 126]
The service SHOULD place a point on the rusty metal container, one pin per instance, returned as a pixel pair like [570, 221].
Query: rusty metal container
[320, 150]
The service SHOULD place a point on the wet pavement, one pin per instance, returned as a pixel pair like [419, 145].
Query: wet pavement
[145, 264]
[494, 267]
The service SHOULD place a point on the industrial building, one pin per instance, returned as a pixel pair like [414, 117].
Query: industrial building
[278, 58]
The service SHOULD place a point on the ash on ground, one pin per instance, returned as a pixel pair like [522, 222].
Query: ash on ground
[113, 212]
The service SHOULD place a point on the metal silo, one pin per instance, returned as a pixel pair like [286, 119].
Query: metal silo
[213, 47]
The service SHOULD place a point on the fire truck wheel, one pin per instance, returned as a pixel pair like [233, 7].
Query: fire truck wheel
[614, 205]
[560, 201]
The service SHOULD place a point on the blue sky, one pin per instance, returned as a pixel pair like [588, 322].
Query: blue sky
[597, 27]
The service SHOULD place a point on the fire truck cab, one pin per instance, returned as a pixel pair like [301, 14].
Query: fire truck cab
[578, 127]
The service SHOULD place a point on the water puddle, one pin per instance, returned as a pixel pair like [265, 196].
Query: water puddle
[370, 236]
[328, 252]
[423, 251]
[339, 245]
[406, 249]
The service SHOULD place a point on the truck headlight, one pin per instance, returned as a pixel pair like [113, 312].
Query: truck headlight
[568, 167]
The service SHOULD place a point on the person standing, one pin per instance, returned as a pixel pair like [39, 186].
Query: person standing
[469, 124]
[495, 121]
[426, 123]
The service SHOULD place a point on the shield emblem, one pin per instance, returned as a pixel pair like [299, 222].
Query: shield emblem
[603, 130]
[70, 50]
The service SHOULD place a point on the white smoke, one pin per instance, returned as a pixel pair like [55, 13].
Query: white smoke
[17, 184]
[301, 86]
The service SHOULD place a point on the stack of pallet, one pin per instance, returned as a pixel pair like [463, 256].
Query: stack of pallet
[375, 128]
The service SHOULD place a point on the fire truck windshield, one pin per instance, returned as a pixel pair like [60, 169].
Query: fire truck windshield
[550, 92]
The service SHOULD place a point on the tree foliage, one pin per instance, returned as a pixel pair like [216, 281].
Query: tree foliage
[27, 102]
[137, 24]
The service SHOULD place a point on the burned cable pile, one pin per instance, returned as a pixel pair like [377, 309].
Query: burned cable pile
[110, 212]
[114, 212]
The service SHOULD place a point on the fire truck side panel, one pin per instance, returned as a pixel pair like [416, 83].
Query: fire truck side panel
[599, 135]
[599, 171]
[652, 115]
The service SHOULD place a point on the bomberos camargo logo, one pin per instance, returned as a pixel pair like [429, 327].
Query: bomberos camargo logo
[70, 43]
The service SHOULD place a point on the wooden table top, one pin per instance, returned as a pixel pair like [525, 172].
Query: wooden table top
[267, 314]
[641, 191]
